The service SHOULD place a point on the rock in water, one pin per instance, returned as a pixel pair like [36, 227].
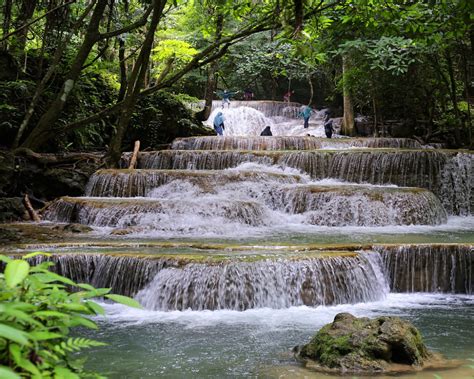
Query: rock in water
[363, 345]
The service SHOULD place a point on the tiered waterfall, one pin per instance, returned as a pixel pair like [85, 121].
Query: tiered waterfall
[238, 186]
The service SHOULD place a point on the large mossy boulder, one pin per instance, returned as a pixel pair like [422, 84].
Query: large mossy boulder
[363, 345]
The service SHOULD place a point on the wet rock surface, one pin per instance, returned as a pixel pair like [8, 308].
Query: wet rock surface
[367, 346]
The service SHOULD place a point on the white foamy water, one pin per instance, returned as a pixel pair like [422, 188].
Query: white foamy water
[247, 121]
[293, 317]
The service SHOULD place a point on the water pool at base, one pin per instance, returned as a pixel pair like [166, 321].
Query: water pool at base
[258, 342]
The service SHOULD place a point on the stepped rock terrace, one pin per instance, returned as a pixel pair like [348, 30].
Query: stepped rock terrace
[289, 143]
[243, 277]
[447, 173]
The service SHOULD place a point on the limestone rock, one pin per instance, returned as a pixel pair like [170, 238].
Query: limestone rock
[363, 345]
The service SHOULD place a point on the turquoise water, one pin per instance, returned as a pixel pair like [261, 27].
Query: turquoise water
[258, 342]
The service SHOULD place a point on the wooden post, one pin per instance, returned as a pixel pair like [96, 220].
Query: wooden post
[33, 215]
[133, 160]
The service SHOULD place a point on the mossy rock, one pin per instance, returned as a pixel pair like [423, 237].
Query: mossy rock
[363, 345]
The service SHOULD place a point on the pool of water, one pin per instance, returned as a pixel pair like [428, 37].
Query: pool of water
[258, 342]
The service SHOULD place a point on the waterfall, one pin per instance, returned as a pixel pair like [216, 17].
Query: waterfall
[268, 283]
[177, 283]
[363, 206]
[447, 174]
[160, 214]
[267, 108]
[288, 143]
[457, 185]
[132, 183]
[429, 268]
[124, 274]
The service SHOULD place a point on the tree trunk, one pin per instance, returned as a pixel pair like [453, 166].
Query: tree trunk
[348, 117]
[51, 70]
[454, 99]
[44, 130]
[299, 17]
[7, 17]
[135, 83]
[311, 90]
[212, 74]
[122, 62]
[26, 12]
[374, 106]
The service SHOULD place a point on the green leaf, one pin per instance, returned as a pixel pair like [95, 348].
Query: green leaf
[96, 308]
[5, 259]
[15, 352]
[81, 321]
[42, 336]
[46, 314]
[125, 300]
[64, 373]
[13, 334]
[49, 277]
[6, 373]
[85, 286]
[15, 272]
[35, 254]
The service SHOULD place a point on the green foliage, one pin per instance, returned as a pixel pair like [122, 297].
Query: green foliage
[173, 52]
[37, 314]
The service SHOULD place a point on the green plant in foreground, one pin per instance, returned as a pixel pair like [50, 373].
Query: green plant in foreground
[37, 313]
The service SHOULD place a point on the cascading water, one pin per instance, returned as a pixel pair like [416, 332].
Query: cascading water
[289, 143]
[249, 119]
[272, 284]
[447, 174]
[234, 186]
[427, 268]
[275, 235]
[214, 202]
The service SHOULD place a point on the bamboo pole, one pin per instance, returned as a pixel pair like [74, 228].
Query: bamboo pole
[133, 160]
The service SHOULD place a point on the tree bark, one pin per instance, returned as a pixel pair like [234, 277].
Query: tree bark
[348, 117]
[299, 17]
[454, 99]
[44, 130]
[135, 83]
[311, 90]
[7, 17]
[212, 74]
[26, 12]
[51, 70]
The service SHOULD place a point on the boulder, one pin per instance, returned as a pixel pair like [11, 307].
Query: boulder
[362, 345]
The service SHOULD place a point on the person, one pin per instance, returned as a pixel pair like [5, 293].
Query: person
[306, 113]
[219, 123]
[287, 96]
[248, 95]
[226, 95]
[266, 132]
[328, 128]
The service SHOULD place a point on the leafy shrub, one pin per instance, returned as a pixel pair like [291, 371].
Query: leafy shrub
[37, 313]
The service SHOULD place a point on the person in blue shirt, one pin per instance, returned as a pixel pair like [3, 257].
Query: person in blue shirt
[306, 113]
[219, 123]
[226, 95]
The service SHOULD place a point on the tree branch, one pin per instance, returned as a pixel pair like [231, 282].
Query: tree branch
[140, 22]
[36, 20]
